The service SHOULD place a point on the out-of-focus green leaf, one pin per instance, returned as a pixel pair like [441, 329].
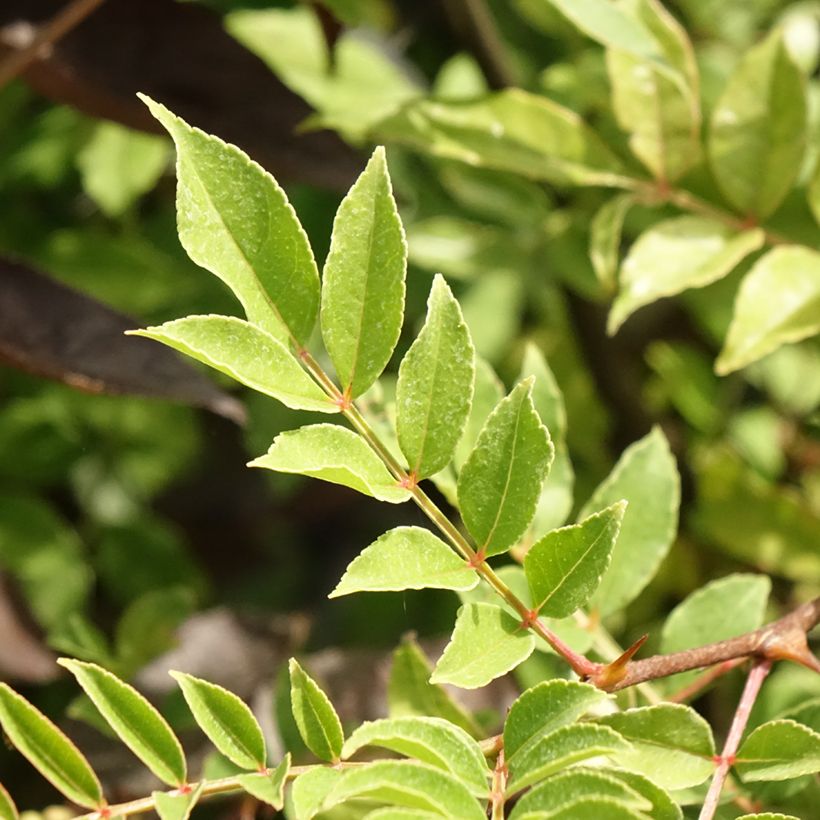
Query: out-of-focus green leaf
[48, 750]
[406, 558]
[814, 194]
[779, 750]
[488, 392]
[311, 789]
[595, 808]
[269, 787]
[676, 254]
[315, 716]
[235, 221]
[334, 454]
[758, 129]
[492, 309]
[778, 303]
[605, 238]
[363, 280]
[137, 723]
[177, 806]
[647, 478]
[435, 387]
[8, 811]
[486, 643]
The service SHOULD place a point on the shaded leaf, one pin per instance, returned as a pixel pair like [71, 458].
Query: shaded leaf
[363, 280]
[310, 790]
[268, 787]
[333, 454]
[435, 387]
[486, 643]
[488, 392]
[779, 750]
[663, 806]
[137, 723]
[48, 750]
[406, 558]
[177, 806]
[8, 811]
[225, 719]
[768, 815]
[315, 716]
[605, 238]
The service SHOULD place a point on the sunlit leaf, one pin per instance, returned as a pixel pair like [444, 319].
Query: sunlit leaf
[779, 750]
[8, 811]
[605, 238]
[177, 806]
[269, 787]
[310, 790]
[315, 716]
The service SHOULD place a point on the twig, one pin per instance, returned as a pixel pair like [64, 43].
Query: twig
[499, 787]
[704, 680]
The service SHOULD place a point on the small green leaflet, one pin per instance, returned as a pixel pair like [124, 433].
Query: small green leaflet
[177, 806]
[225, 719]
[768, 815]
[363, 280]
[268, 787]
[246, 353]
[333, 454]
[137, 723]
[670, 743]
[565, 567]
[48, 750]
[430, 740]
[546, 395]
[500, 482]
[315, 716]
[663, 806]
[395, 813]
[677, 254]
[596, 808]
[757, 134]
[406, 558]
[310, 790]
[779, 750]
[778, 303]
[605, 239]
[8, 811]
[435, 387]
[234, 220]
[647, 478]
[486, 643]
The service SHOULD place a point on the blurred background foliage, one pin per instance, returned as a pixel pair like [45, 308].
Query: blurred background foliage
[126, 517]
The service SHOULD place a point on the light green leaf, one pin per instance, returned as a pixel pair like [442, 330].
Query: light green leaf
[333, 454]
[410, 784]
[768, 815]
[596, 808]
[778, 303]
[310, 790]
[542, 709]
[511, 130]
[670, 743]
[235, 220]
[663, 806]
[246, 353]
[575, 784]
[813, 193]
[8, 811]
[561, 748]
[48, 750]
[486, 643]
[758, 129]
[501, 480]
[647, 478]
[409, 691]
[605, 238]
[137, 723]
[546, 395]
[488, 392]
[177, 806]
[268, 787]
[565, 567]
[315, 716]
[225, 719]
[677, 254]
[435, 387]
[118, 165]
[363, 280]
[406, 558]
[395, 813]
[431, 740]
[779, 750]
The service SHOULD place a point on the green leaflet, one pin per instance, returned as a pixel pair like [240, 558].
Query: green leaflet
[333, 454]
[406, 558]
[813, 194]
[565, 567]
[500, 482]
[546, 395]
[48, 750]
[410, 784]
[235, 220]
[486, 643]
[511, 130]
[542, 709]
[670, 743]
[768, 815]
[310, 791]
[430, 740]
[488, 392]
[435, 387]
[136, 722]
[177, 806]
[409, 691]
[363, 280]
[778, 303]
[779, 750]
[758, 129]
[677, 254]
[246, 353]
[315, 716]
[390, 813]
[605, 239]
[647, 478]
[596, 808]
[8, 811]
[561, 748]
[225, 719]
[269, 787]
[663, 806]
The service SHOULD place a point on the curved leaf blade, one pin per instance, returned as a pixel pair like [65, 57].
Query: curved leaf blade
[177, 806]
[268, 787]
[8, 811]
[311, 789]
[779, 750]
[605, 232]
[315, 716]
